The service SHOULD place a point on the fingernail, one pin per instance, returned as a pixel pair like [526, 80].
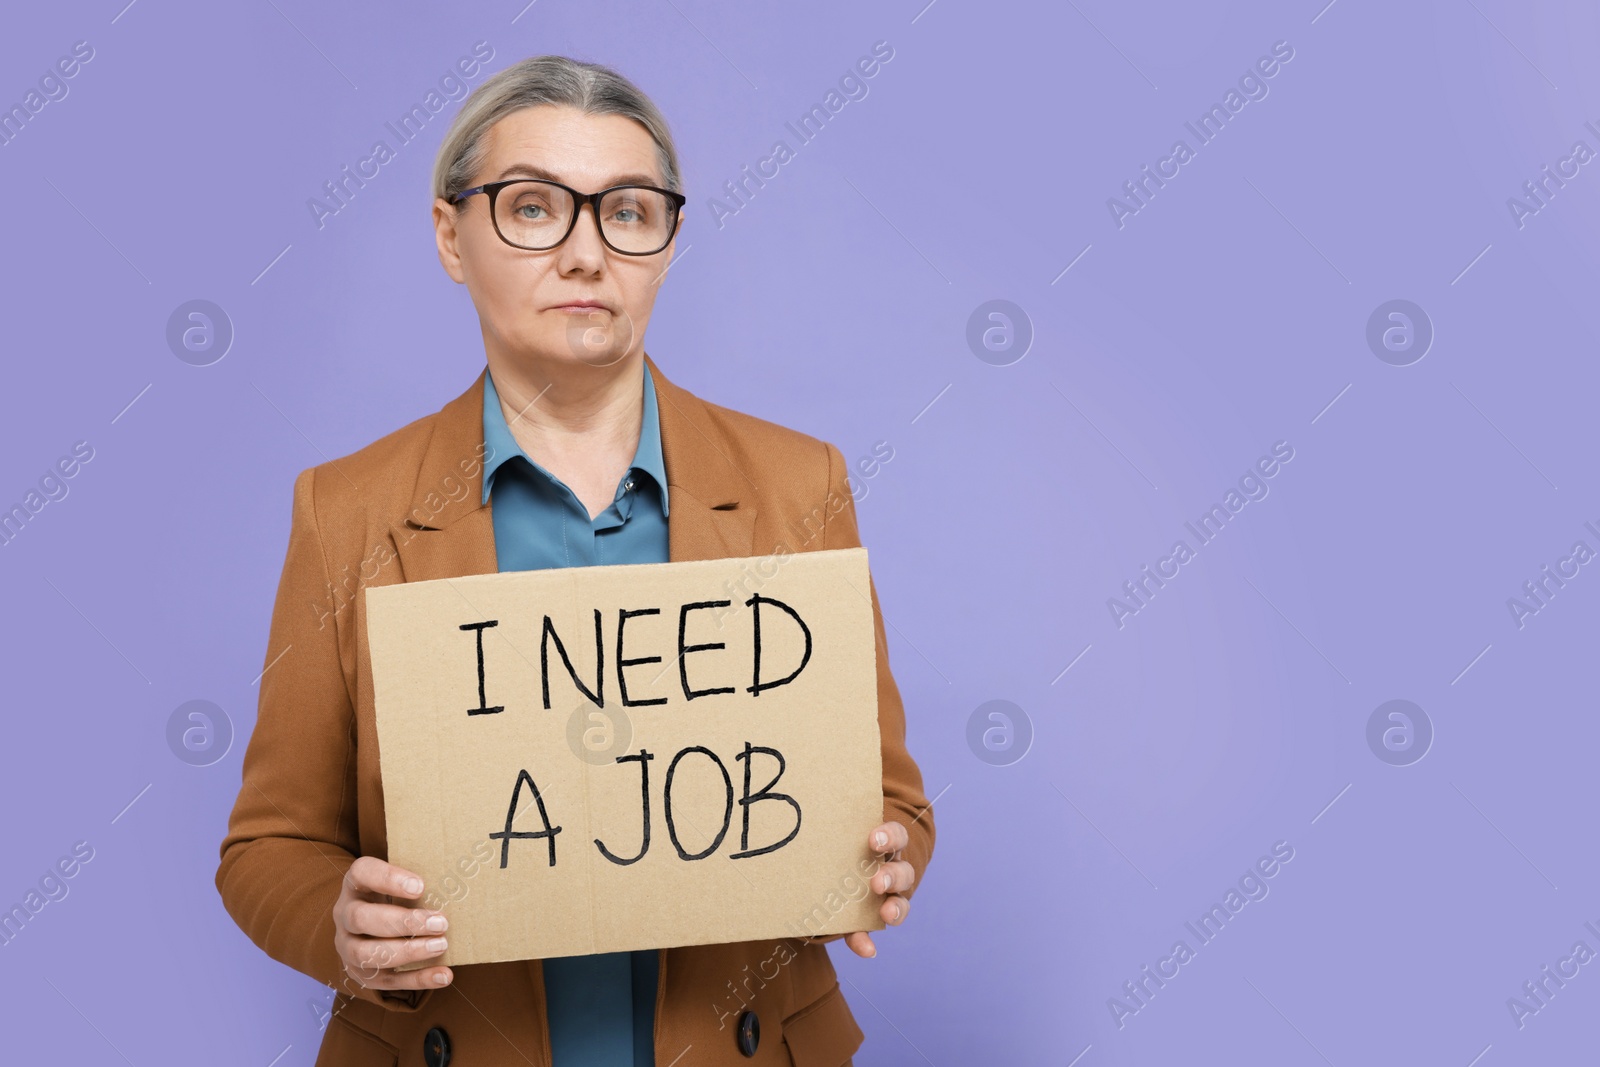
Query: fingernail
[874, 951]
[442, 978]
[437, 924]
[413, 886]
[437, 944]
[880, 839]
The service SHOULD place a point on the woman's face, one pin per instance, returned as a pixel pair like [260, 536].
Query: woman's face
[526, 300]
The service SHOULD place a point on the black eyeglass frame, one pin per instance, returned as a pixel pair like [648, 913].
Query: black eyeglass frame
[492, 190]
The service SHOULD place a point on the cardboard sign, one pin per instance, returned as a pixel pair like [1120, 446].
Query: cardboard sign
[596, 759]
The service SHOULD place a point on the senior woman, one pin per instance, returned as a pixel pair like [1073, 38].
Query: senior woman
[557, 203]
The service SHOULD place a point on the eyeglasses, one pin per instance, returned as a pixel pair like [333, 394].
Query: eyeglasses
[534, 214]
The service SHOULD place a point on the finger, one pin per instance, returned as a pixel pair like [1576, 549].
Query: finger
[367, 957]
[422, 978]
[896, 876]
[372, 919]
[372, 875]
[894, 909]
[891, 836]
[861, 944]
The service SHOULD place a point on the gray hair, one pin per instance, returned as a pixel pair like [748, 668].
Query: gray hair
[589, 87]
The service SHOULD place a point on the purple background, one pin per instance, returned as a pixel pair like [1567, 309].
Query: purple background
[1227, 314]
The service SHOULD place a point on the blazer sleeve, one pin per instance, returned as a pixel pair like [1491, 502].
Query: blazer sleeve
[903, 796]
[293, 832]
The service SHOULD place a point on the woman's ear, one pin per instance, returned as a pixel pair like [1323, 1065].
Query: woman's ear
[445, 236]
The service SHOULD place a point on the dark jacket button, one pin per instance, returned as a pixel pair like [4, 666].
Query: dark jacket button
[749, 1033]
[436, 1047]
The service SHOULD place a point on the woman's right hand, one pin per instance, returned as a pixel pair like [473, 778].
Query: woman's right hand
[372, 937]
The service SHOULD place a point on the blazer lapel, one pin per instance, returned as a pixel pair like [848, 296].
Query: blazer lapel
[447, 533]
[712, 501]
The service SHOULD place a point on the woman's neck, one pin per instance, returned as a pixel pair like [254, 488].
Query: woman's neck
[579, 422]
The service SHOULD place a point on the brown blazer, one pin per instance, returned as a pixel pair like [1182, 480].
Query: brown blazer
[406, 508]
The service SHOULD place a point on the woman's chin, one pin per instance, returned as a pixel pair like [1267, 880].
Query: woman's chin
[561, 352]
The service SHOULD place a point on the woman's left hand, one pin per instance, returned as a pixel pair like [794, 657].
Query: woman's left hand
[891, 877]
